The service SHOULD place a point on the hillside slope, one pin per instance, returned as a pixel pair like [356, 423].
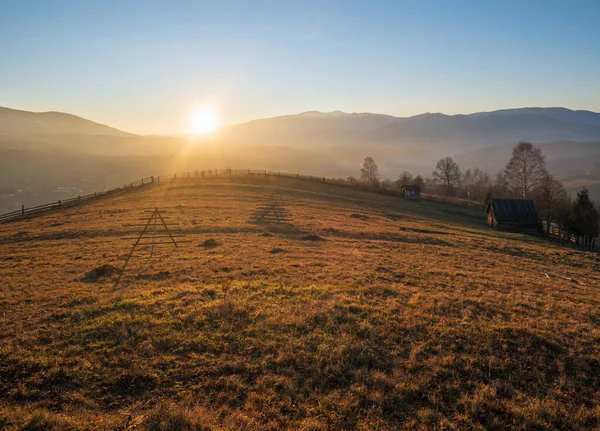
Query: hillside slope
[17, 123]
[369, 312]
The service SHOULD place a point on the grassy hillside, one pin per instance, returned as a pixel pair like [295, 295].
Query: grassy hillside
[369, 312]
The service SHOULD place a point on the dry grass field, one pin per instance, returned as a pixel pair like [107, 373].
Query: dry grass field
[368, 312]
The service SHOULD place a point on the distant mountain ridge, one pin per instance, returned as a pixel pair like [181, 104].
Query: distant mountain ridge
[431, 131]
[14, 122]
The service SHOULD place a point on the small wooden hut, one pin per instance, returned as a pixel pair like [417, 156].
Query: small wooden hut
[513, 214]
[411, 191]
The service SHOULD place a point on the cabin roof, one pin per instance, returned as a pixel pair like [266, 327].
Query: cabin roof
[513, 210]
[415, 187]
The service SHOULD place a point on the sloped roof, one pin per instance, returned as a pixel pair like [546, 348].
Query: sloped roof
[411, 187]
[513, 210]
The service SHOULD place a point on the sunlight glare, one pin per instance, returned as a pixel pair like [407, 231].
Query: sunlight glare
[203, 120]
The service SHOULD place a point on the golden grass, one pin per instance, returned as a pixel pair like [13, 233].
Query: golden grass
[409, 315]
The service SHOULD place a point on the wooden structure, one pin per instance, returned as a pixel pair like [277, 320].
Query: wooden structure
[155, 232]
[513, 214]
[273, 211]
[411, 191]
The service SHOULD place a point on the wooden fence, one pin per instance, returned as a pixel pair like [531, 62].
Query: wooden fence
[66, 203]
[569, 237]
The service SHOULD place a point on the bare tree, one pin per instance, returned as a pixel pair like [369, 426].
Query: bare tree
[447, 172]
[467, 183]
[549, 197]
[500, 187]
[418, 180]
[404, 178]
[481, 185]
[525, 170]
[369, 173]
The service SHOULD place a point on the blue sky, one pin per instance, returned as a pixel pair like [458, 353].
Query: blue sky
[141, 65]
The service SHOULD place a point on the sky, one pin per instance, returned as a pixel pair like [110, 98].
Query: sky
[143, 65]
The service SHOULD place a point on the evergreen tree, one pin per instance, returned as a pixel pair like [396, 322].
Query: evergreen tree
[584, 217]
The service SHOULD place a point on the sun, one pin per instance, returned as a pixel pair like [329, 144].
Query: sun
[203, 120]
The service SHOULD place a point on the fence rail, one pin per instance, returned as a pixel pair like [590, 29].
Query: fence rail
[67, 203]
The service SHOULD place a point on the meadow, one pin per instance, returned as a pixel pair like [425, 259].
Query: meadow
[366, 312]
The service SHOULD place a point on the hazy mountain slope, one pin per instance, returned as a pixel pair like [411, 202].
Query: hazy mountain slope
[436, 134]
[561, 114]
[14, 122]
[309, 128]
[461, 132]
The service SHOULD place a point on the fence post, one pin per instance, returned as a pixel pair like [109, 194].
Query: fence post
[323, 179]
[265, 173]
[142, 181]
[152, 178]
[297, 176]
[174, 176]
[23, 210]
[188, 175]
[78, 200]
[59, 203]
[158, 179]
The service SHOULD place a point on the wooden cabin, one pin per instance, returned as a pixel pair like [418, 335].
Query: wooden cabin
[513, 214]
[411, 191]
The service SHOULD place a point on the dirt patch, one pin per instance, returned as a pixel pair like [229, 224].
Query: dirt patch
[312, 238]
[277, 250]
[104, 271]
[210, 243]
[360, 216]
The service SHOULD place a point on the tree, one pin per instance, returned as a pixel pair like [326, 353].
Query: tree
[481, 186]
[584, 217]
[369, 173]
[418, 180]
[404, 178]
[500, 187]
[549, 197]
[447, 172]
[467, 183]
[525, 170]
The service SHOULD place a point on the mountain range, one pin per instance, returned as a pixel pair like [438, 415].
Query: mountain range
[432, 130]
[318, 143]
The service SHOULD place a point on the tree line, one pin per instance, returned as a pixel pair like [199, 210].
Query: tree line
[525, 177]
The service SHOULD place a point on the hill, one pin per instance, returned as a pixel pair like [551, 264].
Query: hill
[369, 312]
[17, 123]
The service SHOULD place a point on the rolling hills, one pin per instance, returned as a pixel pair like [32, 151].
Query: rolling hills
[368, 312]
[41, 153]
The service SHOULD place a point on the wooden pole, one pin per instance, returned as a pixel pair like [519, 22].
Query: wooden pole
[167, 229]
[23, 210]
